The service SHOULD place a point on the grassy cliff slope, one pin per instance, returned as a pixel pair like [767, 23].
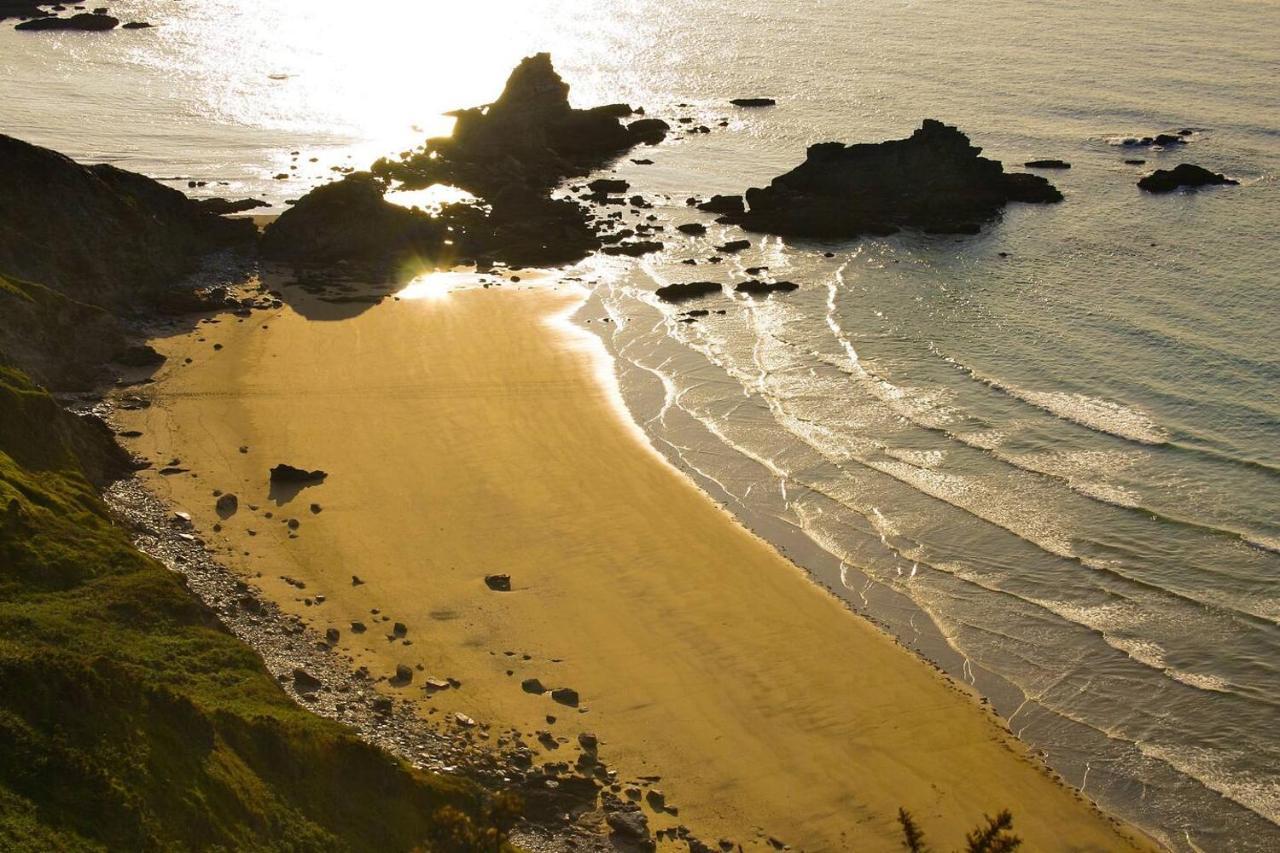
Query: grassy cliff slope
[129, 719]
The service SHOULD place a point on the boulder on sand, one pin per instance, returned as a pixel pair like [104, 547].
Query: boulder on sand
[1183, 175]
[933, 180]
[288, 474]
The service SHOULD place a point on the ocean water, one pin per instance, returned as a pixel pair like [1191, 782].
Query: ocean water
[1047, 456]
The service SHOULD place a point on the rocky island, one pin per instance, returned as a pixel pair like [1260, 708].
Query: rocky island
[934, 181]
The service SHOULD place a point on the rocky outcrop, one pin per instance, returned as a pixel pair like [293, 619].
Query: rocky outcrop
[351, 220]
[1183, 175]
[530, 136]
[99, 234]
[933, 180]
[222, 206]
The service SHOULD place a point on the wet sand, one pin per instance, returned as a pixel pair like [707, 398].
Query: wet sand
[480, 432]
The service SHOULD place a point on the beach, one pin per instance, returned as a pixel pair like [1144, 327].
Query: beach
[468, 432]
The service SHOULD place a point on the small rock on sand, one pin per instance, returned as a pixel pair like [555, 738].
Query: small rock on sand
[532, 685]
[498, 583]
[566, 696]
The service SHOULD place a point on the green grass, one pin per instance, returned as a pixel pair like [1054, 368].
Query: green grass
[130, 720]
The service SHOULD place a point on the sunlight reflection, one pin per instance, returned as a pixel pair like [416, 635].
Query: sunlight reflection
[431, 199]
[436, 286]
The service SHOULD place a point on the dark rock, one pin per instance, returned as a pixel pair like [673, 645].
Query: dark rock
[85, 22]
[137, 25]
[222, 206]
[1135, 162]
[734, 246]
[227, 505]
[753, 102]
[565, 696]
[288, 474]
[1047, 164]
[358, 628]
[648, 131]
[633, 248]
[532, 685]
[731, 204]
[404, 674]
[934, 180]
[498, 583]
[688, 290]
[332, 635]
[1183, 175]
[695, 228]
[305, 682]
[141, 355]
[400, 629]
[608, 186]
[382, 705]
[763, 288]
[588, 741]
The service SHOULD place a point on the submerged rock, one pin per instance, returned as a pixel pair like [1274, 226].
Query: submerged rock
[933, 180]
[1183, 175]
[1047, 164]
[753, 102]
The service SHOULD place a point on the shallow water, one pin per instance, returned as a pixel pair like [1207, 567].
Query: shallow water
[1066, 456]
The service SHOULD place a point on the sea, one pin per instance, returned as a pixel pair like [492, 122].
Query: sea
[1046, 456]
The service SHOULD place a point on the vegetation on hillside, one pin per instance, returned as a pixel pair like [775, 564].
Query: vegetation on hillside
[130, 720]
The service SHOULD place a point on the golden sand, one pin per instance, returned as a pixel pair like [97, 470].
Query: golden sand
[480, 433]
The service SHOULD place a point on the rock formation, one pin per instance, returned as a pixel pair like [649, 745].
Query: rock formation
[933, 180]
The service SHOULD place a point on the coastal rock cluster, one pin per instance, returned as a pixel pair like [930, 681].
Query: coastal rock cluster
[40, 17]
[510, 154]
[933, 180]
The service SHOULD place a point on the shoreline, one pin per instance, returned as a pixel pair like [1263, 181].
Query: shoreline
[692, 802]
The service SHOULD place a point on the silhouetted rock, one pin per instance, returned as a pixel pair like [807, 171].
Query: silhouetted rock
[565, 696]
[288, 474]
[532, 685]
[82, 21]
[350, 220]
[99, 234]
[695, 228]
[734, 246]
[688, 290]
[934, 180]
[731, 204]
[1183, 175]
[753, 102]
[1047, 164]
[634, 248]
[137, 25]
[763, 288]
[222, 206]
[608, 186]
